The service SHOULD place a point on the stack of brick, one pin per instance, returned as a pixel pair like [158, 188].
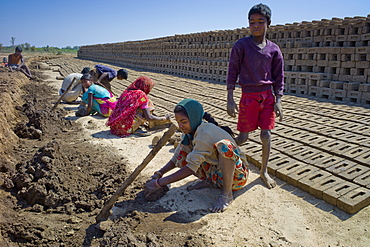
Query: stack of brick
[327, 58]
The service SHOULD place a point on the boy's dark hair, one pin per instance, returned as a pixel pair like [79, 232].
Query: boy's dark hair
[18, 49]
[86, 77]
[85, 70]
[123, 73]
[260, 9]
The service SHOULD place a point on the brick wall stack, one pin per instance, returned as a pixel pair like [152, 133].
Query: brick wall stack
[326, 59]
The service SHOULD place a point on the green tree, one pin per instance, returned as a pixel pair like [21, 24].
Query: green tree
[33, 48]
[27, 46]
[12, 40]
[1, 47]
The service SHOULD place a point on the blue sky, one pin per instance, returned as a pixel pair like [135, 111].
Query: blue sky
[85, 22]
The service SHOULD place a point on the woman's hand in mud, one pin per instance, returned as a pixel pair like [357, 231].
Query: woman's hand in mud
[153, 177]
[151, 187]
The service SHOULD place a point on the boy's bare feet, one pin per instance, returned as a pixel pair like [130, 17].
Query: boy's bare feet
[199, 185]
[269, 182]
[222, 203]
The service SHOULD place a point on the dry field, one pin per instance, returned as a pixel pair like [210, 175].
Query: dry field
[57, 170]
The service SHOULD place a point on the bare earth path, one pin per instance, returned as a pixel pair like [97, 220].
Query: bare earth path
[284, 216]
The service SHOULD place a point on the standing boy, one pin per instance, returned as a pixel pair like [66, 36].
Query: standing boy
[16, 62]
[257, 64]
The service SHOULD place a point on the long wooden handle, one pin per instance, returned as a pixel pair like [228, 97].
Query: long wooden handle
[105, 212]
[61, 97]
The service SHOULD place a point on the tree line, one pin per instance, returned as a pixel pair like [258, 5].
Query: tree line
[30, 48]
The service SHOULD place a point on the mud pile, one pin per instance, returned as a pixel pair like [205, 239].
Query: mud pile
[54, 180]
[40, 121]
[53, 183]
[47, 168]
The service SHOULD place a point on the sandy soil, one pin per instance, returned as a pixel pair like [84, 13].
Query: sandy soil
[57, 170]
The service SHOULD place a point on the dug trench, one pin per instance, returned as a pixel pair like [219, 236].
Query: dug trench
[54, 183]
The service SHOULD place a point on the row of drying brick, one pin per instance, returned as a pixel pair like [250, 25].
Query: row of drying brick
[304, 43]
[346, 195]
[174, 94]
[304, 153]
[168, 92]
[331, 94]
[334, 178]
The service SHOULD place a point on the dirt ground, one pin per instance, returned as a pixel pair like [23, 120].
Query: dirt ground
[57, 171]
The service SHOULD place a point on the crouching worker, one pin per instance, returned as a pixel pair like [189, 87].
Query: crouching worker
[103, 75]
[76, 90]
[206, 151]
[96, 99]
[133, 109]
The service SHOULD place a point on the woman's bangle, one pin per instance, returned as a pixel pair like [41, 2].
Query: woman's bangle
[159, 173]
[157, 183]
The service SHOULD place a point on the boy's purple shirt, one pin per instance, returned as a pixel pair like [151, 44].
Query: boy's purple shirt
[111, 72]
[257, 69]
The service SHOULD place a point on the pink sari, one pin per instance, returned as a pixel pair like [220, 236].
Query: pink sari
[123, 115]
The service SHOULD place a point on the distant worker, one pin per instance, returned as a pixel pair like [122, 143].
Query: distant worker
[5, 62]
[16, 62]
[76, 90]
[103, 75]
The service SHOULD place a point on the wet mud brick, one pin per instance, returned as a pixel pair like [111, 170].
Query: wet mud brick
[306, 154]
[329, 161]
[353, 172]
[289, 132]
[364, 141]
[364, 157]
[321, 141]
[363, 180]
[338, 146]
[278, 161]
[354, 200]
[322, 159]
[257, 157]
[308, 137]
[292, 148]
[295, 176]
[340, 167]
[283, 172]
[311, 179]
[359, 154]
[332, 194]
[279, 141]
[160, 124]
[252, 150]
[352, 137]
[323, 184]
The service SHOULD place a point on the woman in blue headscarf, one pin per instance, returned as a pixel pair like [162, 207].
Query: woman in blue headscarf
[206, 151]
